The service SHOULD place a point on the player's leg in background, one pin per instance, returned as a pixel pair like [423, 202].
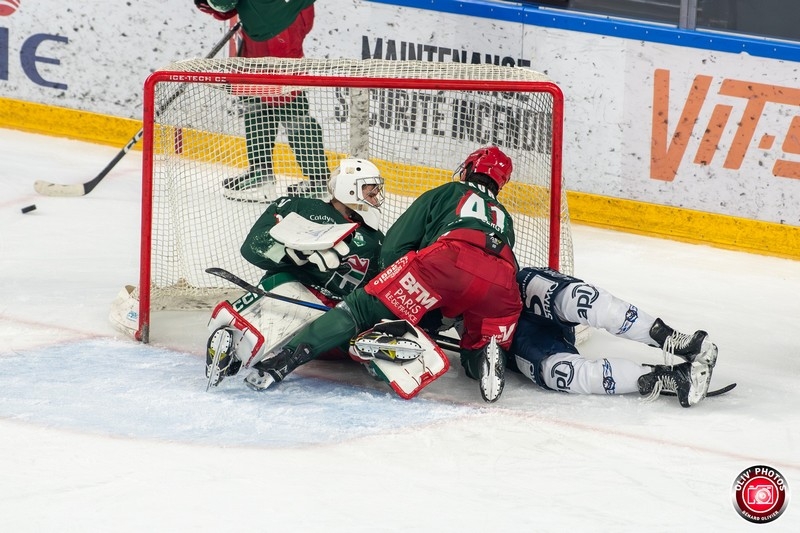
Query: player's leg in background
[257, 184]
[306, 141]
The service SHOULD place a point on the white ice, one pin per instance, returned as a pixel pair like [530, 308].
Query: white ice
[99, 433]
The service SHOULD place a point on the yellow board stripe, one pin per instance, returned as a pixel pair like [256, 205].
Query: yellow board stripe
[685, 225]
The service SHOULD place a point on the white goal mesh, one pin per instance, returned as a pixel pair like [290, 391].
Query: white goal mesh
[208, 120]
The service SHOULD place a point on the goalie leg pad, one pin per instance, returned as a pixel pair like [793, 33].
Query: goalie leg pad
[124, 314]
[407, 377]
[275, 320]
[246, 341]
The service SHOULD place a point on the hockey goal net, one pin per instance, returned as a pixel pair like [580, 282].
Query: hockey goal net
[209, 120]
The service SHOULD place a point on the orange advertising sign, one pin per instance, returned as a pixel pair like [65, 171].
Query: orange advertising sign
[667, 153]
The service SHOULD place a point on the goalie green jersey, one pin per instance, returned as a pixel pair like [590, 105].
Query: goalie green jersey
[454, 205]
[358, 267]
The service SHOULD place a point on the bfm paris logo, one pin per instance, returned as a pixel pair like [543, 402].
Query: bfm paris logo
[7, 7]
[760, 494]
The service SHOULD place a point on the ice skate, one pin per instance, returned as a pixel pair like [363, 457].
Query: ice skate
[255, 185]
[691, 348]
[221, 360]
[492, 372]
[276, 368]
[374, 344]
[689, 381]
[308, 189]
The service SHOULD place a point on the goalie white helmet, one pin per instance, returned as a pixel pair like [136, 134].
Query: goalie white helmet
[358, 184]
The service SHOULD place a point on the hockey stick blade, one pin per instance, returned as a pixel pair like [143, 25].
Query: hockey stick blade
[709, 394]
[46, 188]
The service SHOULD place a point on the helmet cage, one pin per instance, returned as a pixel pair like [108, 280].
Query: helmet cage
[348, 181]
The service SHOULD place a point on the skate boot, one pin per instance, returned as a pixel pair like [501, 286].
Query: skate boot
[276, 368]
[492, 372]
[257, 185]
[315, 188]
[385, 341]
[221, 360]
[689, 381]
[695, 347]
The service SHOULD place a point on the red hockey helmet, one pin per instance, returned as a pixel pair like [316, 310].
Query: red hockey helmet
[491, 161]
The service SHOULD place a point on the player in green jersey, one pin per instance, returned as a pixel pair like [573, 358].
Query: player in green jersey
[285, 241]
[274, 28]
[450, 251]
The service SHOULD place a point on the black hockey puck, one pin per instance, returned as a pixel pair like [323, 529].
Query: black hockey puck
[28, 209]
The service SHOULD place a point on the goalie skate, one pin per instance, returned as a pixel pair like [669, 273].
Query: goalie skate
[276, 367]
[220, 359]
[377, 345]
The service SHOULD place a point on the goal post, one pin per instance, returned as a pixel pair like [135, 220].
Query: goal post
[297, 118]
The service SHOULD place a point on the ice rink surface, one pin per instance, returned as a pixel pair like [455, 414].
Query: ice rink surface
[100, 433]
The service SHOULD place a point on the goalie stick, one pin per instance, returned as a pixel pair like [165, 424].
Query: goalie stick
[709, 394]
[47, 188]
[445, 342]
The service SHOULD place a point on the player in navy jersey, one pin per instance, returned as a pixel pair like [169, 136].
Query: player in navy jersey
[545, 351]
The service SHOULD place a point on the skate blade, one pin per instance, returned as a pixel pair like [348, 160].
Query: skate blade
[213, 375]
[701, 379]
[258, 383]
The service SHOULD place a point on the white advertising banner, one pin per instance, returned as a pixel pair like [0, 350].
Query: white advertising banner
[95, 55]
[677, 126]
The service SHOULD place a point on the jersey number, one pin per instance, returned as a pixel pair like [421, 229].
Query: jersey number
[474, 206]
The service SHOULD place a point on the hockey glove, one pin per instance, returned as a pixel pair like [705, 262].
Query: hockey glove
[329, 259]
[203, 6]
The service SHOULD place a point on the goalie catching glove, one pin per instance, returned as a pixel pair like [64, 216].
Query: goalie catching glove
[306, 241]
[325, 260]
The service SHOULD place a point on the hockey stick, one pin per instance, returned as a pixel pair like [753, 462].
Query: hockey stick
[441, 340]
[47, 188]
[236, 280]
[709, 394]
